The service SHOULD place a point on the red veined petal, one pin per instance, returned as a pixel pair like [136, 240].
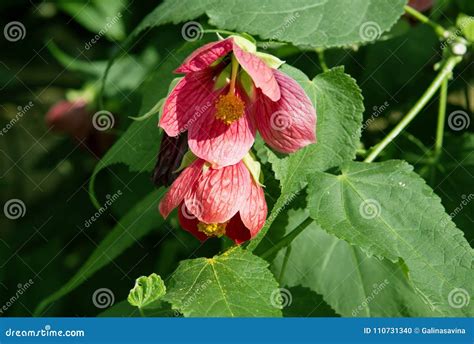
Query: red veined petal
[180, 188]
[290, 123]
[191, 97]
[219, 143]
[254, 210]
[220, 193]
[204, 56]
[261, 74]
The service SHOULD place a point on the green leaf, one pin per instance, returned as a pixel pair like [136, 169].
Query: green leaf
[388, 211]
[138, 222]
[466, 24]
[314, 23]
[103, 17]
[339, 106]
[235, 283]
[306, 303]
[308, 23]
[147, 292]
[351, 282]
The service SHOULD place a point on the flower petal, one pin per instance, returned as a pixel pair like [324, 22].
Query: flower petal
[220, 193]
[190, 98]
[237, 231]
[219, 143]
[254, 210]
[261, 74]
[290, 123]
[180, 188]
[189, 223]
[204, 56]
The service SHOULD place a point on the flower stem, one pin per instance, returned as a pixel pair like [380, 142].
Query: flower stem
[287, 239]
[440, 31]
[443, 96]
[322, 60]
[445, 72]
[285, 263]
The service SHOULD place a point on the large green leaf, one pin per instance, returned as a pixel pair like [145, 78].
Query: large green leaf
[313, 23]
[339, 107]
[387, 210]
[351, 282]
[235, 283]
[134, 225]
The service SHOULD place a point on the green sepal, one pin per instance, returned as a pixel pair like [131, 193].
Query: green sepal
[254, 168]
[188, 159]
[270, 60]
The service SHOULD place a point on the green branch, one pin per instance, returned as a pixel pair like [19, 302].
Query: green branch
[443, 96]
[445, 73]
[287, 239]
[440, 31]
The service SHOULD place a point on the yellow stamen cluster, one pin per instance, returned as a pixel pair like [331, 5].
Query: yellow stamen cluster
[212, 229]
[229, 108]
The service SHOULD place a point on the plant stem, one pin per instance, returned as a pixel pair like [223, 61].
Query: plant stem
[440, 31]
[444, 73]
[287, 239]
[225, 32]
[443, 96]
[285, 263]
[322, 60]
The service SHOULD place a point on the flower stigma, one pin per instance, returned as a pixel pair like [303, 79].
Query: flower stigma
[212, 229]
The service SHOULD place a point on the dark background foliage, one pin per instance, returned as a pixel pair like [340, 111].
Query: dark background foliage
[50, 172]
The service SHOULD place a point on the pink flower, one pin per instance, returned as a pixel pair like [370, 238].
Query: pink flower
[74, 119]
[221, 108]
[216, 202]
[70, 118]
